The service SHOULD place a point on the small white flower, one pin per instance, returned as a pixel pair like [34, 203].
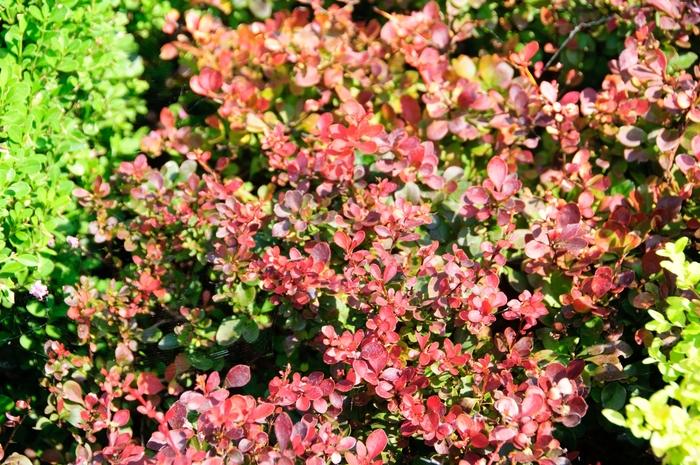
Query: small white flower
[73, 242]
[39, 290]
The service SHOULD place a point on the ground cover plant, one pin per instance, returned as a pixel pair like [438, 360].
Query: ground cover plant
[362, 232]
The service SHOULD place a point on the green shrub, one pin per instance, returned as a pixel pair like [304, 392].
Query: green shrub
[68, 93]
[669, 417]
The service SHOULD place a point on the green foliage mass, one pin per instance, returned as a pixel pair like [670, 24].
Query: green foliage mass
[669, 417]
[68, 94]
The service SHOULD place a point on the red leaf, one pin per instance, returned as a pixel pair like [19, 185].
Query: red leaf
[502, 434]
[262, 411]
[529, 50]
[497, 171]
[477, 195]
[121, 417]
[375, 354]
[342, 240]
[208, 80]
[310, 79]
[533, 402]
[167, 119]
[437, 129]
[568, 214]
[667, 6]
[536, 249]
[237, 376]
[321, 252]
[410, 109]
[376, 442]
[149, 384]
[283, 430]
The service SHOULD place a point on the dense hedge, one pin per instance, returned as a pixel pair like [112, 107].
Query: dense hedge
[388, 232]
[69, 86]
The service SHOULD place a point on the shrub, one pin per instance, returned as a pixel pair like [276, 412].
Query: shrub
[69, 80]
[352, 237]
[669, 417]
[68, 97]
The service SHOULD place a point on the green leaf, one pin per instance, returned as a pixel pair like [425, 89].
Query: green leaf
[36, 309]
[614, 417]
[6, 403]
[53, 332]
[657, 316]
[200, 361]
[169, 342]
[613, 396]
[28, 260]
[228, 332]
[25, 341]
[249, 330]
[623, 188]
[152, 334]
[684, 61]
[12, 267]
[19, 189]
[244, 296]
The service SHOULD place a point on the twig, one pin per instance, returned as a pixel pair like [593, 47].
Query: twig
[572, 34]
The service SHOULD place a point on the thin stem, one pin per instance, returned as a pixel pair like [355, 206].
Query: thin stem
[572, 34]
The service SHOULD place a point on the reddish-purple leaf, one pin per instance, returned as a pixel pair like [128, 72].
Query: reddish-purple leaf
[375, 354]
[631, 136]
[587, 99]
[695, 145]
[283, 430]
[549, 91]
[628, 58]
[477, 195]
[376, 442]
[575, 368]
[73, 392]
[536, 249]
[437, 129]
[176, 415]
[497, 171]
[668, 140]
[237, 376]
[568, 214]
[685, 162]
[321, 252]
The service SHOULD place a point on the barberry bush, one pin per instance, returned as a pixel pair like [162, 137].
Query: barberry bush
[69, 95]
[387, 232]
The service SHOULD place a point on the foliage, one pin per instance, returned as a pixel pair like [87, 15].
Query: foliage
[69, 94]
[669, 417]
[69, 90]
[387, 233]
